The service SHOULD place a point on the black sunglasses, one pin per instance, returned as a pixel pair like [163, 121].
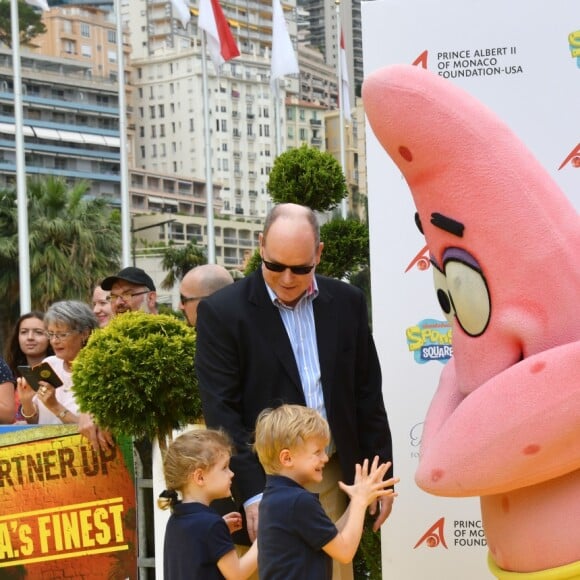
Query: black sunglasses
[186, 299]
[299, 270]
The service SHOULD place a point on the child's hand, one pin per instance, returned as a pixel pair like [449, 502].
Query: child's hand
[369, 485]
[233, 521]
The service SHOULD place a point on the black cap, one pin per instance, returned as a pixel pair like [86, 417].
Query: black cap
[132, 275]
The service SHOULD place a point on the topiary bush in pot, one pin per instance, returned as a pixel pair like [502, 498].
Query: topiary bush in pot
[136, 376]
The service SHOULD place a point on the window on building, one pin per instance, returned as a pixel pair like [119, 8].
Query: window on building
[302, 134]
[111, 56]
[153, 131]
[161, 111]
[86, 50]
[302, 115]
[162, 130]
[85, 30]
[141, 131]
[152, 111]
[290, 114]
[142, 151]
[112, 36]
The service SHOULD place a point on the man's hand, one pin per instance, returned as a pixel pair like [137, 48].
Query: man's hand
[385, 506]
[99, 438]
[252, 520]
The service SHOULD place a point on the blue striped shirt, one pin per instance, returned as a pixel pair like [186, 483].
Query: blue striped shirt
[299, 324]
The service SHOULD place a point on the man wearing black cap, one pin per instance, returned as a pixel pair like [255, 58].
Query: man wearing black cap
[131, 289]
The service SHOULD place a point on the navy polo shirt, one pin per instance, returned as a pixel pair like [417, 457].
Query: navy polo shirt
[196, 538]
[293, 529]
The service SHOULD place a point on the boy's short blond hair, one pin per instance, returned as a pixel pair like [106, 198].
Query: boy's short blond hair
[286, 427]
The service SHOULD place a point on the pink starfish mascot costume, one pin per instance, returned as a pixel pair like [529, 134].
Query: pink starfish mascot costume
[504, 241]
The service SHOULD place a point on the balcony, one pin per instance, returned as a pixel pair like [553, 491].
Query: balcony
[315, 122]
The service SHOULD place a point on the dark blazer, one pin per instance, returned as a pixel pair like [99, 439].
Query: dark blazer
[245, 363]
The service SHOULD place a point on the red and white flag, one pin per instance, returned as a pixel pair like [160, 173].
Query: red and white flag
[344, 80]
[42, 4]
[284, 60]
[220, 40]
[181, 11]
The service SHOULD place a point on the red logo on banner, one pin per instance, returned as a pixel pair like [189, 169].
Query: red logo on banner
[421, 260]
[573, 158]
[434, 536]
[421, 59]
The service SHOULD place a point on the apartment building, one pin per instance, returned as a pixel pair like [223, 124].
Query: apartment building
[71, 122]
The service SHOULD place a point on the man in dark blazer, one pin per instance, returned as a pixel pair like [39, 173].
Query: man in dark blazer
[248, 356]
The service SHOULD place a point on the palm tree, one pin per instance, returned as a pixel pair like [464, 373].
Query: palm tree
[74, 241]
[177, 261]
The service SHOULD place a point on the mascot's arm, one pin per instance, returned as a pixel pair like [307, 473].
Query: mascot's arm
[518, 429]
[445, 401]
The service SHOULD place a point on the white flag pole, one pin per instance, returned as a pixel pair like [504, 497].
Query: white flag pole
[343, 205]
[277, 121]
[123, 162]
[21, 196]
[208, 171]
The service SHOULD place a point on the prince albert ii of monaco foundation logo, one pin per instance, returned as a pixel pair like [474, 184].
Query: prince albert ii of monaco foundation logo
[434, 536]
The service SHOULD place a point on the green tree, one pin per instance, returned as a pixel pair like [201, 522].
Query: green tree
[309, 177]
[73, 241]
[179, 260]
[29, 23]
[346, 247]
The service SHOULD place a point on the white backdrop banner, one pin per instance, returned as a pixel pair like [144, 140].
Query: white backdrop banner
[522, 59]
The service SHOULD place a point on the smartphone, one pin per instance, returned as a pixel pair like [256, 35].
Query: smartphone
[41, 372]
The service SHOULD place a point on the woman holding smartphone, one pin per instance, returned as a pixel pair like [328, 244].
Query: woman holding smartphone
[28, 345]
[68, 325]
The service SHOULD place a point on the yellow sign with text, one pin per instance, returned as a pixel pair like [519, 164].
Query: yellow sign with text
[65, 507]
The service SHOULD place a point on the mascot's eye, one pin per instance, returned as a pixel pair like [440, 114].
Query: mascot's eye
[469, 296]
[443, 293]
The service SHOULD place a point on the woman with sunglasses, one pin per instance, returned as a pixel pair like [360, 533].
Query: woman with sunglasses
[68, 325]
[28, 345]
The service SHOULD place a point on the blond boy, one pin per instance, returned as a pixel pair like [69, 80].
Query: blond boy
[296, 539]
